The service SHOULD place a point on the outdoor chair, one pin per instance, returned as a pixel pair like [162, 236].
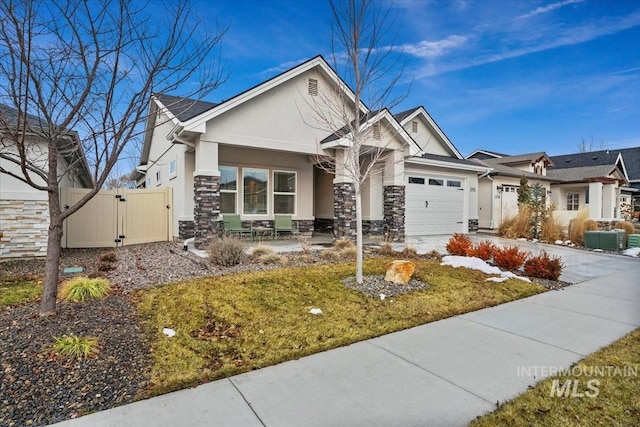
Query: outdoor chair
[232, 224]
[284, 223]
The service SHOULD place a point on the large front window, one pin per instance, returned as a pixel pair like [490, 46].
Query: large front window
[255, 189]
[228, 189]
[284, 192]
[573, 201]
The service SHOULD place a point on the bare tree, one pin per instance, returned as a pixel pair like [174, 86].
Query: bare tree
[90, 66]
[362, 53]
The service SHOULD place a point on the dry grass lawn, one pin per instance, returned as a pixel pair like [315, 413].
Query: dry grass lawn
[237, 323]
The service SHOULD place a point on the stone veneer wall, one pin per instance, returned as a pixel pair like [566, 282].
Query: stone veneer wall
[186, 229]
[344, 210]
[24, 228]
[394, 203]
[373, 227]
[473, 225]
[206, 211]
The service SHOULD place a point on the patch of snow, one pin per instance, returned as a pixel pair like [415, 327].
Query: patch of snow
[568, 242]
[632, 252]
[478, 264]
[597, 250]
[559, 242]
[315, 311]
[497, 279]
[169, 332]
[382, 296]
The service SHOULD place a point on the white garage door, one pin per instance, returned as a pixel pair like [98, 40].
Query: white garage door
[435, 205]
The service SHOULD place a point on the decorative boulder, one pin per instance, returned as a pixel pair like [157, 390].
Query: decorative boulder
[399, 272]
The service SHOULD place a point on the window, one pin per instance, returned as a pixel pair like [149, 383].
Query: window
[228, 189]
[158, 176]
[414, 127]
[172, 168]
[255, 186]
[284, 192]
[433, 181]
[453, 183]
[313, 87]
[416, 180]
[573, 201]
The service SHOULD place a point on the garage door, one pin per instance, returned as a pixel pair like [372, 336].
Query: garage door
[435, 205]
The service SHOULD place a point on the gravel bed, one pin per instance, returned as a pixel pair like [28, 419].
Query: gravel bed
[374, 285]
[38, 388]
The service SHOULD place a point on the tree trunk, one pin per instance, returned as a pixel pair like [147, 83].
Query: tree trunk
[359, 261]
[54, 250]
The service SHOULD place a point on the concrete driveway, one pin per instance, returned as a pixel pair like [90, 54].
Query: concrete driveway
[444, 373]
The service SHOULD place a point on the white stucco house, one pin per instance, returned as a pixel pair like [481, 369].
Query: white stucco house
[24, 210]
[265, 152]
[572, 182]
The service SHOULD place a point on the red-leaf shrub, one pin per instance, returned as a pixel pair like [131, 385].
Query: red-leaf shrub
[484, 250]
[460, 245]
[509, 258]
[544, 267]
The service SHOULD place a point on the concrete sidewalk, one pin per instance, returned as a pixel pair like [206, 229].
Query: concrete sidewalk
[444, 373]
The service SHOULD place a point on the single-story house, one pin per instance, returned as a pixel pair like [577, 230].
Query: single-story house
[24, 210]
[266, 151]
[595, 181]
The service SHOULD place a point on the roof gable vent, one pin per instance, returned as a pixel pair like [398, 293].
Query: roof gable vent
[313, 87]
[376, 131]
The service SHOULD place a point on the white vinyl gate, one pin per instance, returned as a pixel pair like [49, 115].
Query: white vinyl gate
[118, 217]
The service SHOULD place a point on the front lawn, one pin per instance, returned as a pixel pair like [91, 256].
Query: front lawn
[237, 323]
[614, 401]
[17, 289]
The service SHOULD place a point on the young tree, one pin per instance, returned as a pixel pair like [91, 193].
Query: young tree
[524, 191]
[362, 53]
[91, 67]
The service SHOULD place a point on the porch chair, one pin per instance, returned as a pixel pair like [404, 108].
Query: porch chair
[232, 224]
[284, 223]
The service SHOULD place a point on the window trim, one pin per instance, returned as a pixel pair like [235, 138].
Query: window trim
[275, 193]
[414, 126]
[574, 203]
[268, 205]
[175, 169]
[235, 208]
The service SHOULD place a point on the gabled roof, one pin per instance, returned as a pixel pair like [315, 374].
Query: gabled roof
[505, 170]
[408, 115]
[75, 155]
[344, 130]
[584, 173]
[184, 109]
[627, 159]
[521, 158]
[485, 154]
[450, 162]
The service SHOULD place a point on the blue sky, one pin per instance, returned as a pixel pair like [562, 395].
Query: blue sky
[507, 76]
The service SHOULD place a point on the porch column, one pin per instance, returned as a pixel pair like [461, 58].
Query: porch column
[394, 194]
[206, 193]
[344, 200]
[595, 200]
[609, 202]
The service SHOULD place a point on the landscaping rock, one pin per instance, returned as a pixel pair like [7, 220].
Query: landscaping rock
[399, 272]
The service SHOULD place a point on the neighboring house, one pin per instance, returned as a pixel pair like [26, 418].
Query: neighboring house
[263, 152]
[595, 181]
[498, 188]
[24, 211]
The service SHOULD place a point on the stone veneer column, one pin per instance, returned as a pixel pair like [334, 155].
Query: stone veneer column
[394, 203]
[206, 211]
[344, 210]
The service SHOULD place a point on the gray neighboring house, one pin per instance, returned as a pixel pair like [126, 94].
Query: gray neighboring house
[24, 211]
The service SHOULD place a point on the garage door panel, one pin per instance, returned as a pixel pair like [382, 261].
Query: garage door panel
[432, 209]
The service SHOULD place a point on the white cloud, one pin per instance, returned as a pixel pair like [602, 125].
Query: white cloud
[432, 49]
[283, 67]
[548, 8]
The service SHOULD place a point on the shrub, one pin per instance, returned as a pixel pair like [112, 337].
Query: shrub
[305, 243]
[330, 255]
[579, 225]
[105, 266]
[509, 258]
[348, 253]
[552, 228]
[544, 267]
[460, 244]
[343, 243]
[75, 347]
[260, 251]
[627, 226]
[82, 288]
[518, 225]
[386, 249]
[272, 258]
[409, 253]
[108, 257]
[484, 250]
[226, 252]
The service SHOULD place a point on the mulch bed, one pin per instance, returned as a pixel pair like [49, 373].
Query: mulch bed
[37, 388]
